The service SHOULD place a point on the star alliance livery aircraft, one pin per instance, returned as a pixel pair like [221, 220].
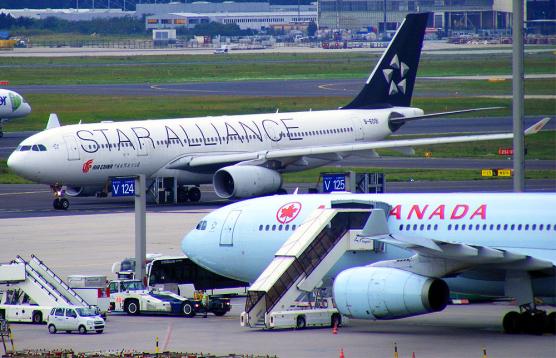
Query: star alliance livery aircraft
[241, 155]
[501, 245]
[12, 105]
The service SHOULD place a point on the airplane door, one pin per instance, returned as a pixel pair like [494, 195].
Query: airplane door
[142, 148]
[72, 148]
[227, 233]
[358, 128]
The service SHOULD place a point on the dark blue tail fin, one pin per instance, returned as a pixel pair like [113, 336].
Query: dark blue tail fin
[392, 80]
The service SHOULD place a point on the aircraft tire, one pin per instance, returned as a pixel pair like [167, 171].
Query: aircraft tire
[64, 204]
[512, 323]
[194, 194]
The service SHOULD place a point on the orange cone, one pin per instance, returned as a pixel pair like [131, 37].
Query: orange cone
[335, 329]
[342, 353]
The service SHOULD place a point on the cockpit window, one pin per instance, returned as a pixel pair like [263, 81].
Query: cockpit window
[34, 148]
[202, 225]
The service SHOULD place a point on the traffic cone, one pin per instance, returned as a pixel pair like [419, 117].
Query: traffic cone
[335, 328]
[342, 353]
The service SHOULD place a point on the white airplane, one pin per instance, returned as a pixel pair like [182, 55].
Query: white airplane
[242, 155]
[501, 245]
[12, 105]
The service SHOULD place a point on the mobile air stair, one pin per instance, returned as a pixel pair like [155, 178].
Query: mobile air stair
[303, 261]
[39, 283]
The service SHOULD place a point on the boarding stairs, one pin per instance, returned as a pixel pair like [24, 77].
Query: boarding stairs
[40, 283]
[302, 262]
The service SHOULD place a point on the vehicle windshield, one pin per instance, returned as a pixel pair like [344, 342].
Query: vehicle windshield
[132, 286]
[86, 312]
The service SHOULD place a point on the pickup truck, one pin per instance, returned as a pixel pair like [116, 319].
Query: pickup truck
[132, 297]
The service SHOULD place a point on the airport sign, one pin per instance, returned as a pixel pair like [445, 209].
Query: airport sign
[123, 187]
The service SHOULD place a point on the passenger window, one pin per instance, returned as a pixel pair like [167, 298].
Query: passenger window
[463, 227]
[408, 227]
[59, 312]
[401, 227]
[287, 227]
[435, 227]
[519, 227]
[273, 227]
[534, 227]
[456, 227]
[70, 313]
[280, 228]
[260, 228]
[422, 227]
[428, 227]
[267, 228]
[449, 227]
[293, 227]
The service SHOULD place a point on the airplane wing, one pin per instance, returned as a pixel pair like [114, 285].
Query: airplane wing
[441, 258]
[339, 150]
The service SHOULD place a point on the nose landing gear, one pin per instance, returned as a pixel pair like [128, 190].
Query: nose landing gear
[59, 203]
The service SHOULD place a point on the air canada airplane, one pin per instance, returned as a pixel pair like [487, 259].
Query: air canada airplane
[501, 245]
[12, 105]
[242, 155]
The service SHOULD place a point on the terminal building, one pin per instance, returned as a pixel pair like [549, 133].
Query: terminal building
[449, 15]
[253, 15]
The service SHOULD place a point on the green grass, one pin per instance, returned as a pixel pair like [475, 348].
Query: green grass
[7, 177]
[539, 146]
[234, 67]
[74, 108]
[403, 175]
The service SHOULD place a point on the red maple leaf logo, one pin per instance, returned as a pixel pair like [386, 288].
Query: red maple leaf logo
[288, 212]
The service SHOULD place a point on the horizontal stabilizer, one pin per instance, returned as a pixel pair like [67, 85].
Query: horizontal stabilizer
[402, 120]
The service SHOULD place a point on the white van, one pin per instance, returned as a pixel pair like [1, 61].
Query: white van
[81, 319]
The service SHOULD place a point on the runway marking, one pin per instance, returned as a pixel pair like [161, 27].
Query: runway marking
[156, 87]
[25, 192]
[327, 87]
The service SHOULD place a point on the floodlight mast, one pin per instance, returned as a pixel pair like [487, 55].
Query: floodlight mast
[518, 96]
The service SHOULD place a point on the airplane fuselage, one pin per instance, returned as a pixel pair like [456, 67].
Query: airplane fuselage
[88, 154]
[521, 223]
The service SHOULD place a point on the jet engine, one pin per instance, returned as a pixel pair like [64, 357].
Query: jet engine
[83, 190]
[387, 293]
[245, 181]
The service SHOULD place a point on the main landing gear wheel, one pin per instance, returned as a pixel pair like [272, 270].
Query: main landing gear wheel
[61, 204]
[530, 321]
[194, 194]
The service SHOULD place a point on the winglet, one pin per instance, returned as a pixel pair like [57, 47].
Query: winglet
[536, 128]
[53, 121]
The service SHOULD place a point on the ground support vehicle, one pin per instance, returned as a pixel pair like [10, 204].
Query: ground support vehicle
[29, 289]
[68, 319]
[92, 288]
[299, 319]
[131, 296]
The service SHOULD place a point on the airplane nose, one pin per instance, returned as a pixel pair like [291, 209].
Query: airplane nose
[25, 108]
[13, 162]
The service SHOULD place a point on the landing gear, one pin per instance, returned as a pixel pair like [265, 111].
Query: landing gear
[192, 194]
[530, 321]
[59, 203]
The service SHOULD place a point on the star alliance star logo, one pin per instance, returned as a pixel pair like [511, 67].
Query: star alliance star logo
[396, 65]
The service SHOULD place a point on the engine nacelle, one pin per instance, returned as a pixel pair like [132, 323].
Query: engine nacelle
[83, 190]
[386, 293]
[245, 181]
